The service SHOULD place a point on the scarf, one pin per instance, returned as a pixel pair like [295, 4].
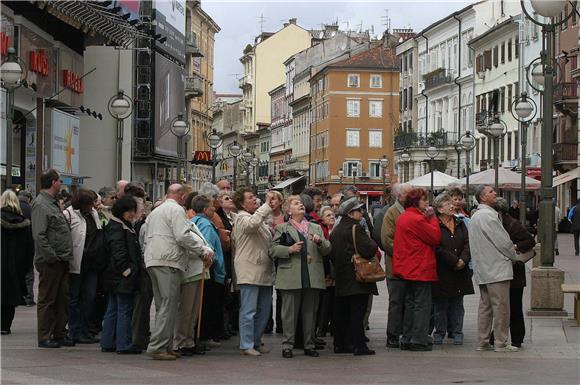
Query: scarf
[301, 227]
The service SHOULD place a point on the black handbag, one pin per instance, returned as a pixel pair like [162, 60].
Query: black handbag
[286, 239]
[96, 255]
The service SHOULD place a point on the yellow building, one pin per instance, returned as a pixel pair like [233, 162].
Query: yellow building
[264, 70]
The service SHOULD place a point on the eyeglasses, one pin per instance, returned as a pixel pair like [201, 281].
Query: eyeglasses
[114, 197]
[226, 198]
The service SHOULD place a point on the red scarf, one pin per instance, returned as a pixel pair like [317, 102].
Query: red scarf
[301, 227]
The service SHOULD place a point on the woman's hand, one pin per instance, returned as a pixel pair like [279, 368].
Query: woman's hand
[459, 265]
[316, 238]
[295, 248]
[309, 258]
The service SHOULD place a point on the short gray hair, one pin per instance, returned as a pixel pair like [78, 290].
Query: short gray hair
[324, 209]
[106, 191]
[209, 190]
[441, 199]
[501, 205]
[479, 192]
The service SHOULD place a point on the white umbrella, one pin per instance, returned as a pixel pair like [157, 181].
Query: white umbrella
[440, 181]
[508, 180]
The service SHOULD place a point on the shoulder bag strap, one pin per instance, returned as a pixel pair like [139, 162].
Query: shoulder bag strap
[354, 238]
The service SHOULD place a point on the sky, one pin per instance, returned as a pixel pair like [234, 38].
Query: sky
[240, 21]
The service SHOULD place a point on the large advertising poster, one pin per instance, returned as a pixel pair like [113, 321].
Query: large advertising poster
[170, 19]
[169, 102]
[65, 142]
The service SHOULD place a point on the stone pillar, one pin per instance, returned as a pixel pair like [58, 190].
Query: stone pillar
[547, 298]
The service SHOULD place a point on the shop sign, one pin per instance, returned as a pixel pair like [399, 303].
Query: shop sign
[72, 81]
[39, 62]
[5, 43]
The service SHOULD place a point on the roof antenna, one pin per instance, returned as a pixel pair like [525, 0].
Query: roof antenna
[262, 21]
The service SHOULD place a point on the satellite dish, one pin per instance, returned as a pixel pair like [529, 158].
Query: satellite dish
[321, 35]
[343, 46]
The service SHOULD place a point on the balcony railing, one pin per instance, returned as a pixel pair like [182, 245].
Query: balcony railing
[413, 139]
[566, 91]
[193, 86]
[246, 81]
[565, 153]
[436, 78]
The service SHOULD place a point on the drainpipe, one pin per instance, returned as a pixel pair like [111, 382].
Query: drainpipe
[423, 92]
[459, 97]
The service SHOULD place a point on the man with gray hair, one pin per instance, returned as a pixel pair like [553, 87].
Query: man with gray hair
[493, 252]
[395, 286]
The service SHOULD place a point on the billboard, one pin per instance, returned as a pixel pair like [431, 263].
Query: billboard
[169, 102]
[170, 19]
[65, 142]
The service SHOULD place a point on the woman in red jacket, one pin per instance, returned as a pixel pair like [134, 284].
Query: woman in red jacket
[417, 234]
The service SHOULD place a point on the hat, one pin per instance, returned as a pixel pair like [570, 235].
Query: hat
[349, 206]
[353, 189]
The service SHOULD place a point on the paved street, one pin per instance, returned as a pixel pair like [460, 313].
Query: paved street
[550, 356]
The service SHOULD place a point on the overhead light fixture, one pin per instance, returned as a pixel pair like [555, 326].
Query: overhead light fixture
[116, 9]
[134, 21]
[106, 3]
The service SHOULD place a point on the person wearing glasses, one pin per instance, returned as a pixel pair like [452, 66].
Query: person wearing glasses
[108, 197]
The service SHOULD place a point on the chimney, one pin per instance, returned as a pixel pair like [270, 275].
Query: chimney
[292, 21]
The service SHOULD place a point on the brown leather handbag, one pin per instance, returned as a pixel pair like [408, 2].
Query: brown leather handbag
[365, 270]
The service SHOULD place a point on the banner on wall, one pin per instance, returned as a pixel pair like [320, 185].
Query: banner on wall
[170, 23]
[65, 142]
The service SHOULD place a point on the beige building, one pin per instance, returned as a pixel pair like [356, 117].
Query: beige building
[200, 38]
[264, 70]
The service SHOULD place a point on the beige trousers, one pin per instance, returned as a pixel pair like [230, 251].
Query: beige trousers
[494, 313]
[187, 313]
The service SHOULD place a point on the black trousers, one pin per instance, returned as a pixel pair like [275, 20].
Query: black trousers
[7, 317]
[53, 299]
[349, 313]
[212, 312]
[140, 322]
[576, 242]
[517, 324]
[417, 312]
[397, 290]
[325, 310]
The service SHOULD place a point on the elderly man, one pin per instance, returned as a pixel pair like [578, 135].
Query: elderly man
[224, 184]
[395, 286]
[335, 201]
[120, 187]
[169, 244]
[493, 252]
[53, 251]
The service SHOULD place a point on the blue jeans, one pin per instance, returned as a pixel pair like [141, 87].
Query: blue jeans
[82, 294]
[448, 316]
[117, 322]
[255, 306]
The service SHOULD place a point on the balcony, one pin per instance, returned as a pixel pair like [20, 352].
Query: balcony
[565, 153]
[412, 139]
[566, 98]
[191, 47]
[193, 86]
[246, 81]
[437, 78]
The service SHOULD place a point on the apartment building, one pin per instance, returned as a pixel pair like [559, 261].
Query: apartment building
[354, 111]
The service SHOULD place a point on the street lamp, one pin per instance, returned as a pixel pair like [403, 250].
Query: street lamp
[384, 163]
[431, 153]
[253, 163]
[550, 9]
[523, 110]
[179, 128]
[235, 150]
[12, 73]
[120, 107]
[467, 144]
[340, 175]
[213, 140]
[496, 130]
[405, 157]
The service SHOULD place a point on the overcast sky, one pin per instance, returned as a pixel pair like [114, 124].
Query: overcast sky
[239, 21]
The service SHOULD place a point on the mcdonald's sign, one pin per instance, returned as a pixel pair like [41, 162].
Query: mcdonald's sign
[201, 157]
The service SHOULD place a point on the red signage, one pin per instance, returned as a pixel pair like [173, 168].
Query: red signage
[39, 62]
[5, 43]
[202, 156]
[72, 81]
[534, 172]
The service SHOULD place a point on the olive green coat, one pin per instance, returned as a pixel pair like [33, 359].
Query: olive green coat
[288, 273]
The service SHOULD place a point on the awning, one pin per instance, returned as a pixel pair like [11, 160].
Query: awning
[371, 193]
[566, 177]
[287, 183]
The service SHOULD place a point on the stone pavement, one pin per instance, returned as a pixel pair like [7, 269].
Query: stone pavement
[550, 356]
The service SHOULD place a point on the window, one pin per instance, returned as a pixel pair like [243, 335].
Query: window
[495, 56]
[352, 138]
[374, 169]
[517, 47]
[502, 52]
[375, 138]
[264, 147]
[353, 80]
[376, 81]
[352, 107]
[410, 58]
[320, 84]
[351, 167]
[502, 99]
[375, 108]
[410, 102]
[404, 99]
[509, 97]
[509, 49]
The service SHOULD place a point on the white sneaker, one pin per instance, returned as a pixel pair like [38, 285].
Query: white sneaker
[507, 348]
[250, 352]
[263, 349]
[484, 348]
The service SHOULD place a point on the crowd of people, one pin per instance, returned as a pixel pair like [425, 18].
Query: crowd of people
[209, 261]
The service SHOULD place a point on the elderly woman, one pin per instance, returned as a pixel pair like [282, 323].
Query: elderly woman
[454, 282]
[253, 268]
[16, 256]
[327, 298]
[351, 296]
[417, 234]
[121, 279]
[299, 247]
[524, 241]
[86, 264]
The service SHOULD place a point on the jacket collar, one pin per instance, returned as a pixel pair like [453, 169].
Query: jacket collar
[125, 227]
[399, 206]
[48, 196]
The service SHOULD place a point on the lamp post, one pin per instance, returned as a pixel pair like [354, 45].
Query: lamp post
[431, 153]
[253, 163]
[340, 174]
[384, 163]
[247, 156]
[12, 72]
[179, 128]
[213, 140]
[523, 110]
[120, 107]
[467, 144]
[235, 150]
[496, 130]
[405, 158]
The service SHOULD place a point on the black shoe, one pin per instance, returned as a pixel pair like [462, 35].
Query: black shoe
[318, 341]
[420, 348]
[340, 350]
[287, 353]
[278, 330]
[311, 353]
[108, 350]
[51, 344]
[405, 346]
[364, 352]
[393, 344]
[66, 342]
[186, 352]
[5, 332]
[86, 340]
[319, 347]
[198, 350]
[129, 351]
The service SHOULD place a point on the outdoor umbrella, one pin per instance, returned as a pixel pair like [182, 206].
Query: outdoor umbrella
[508, 180]
[440, 181]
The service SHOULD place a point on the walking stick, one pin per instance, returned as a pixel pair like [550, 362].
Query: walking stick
[200, 307]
